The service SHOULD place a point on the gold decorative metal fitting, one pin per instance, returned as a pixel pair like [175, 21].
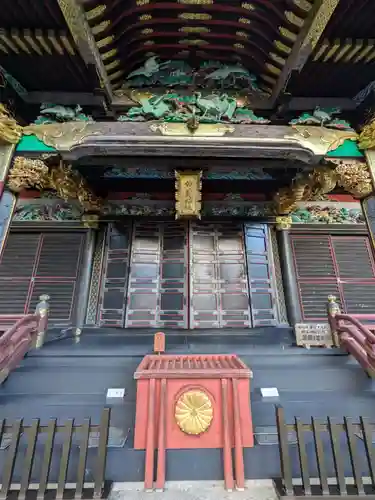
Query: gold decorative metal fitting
[248, 6]
[197, 41]
[282, 47]
[147, 31]
[287, 34]
[283, 223]
[112, 65]
[194, 29]
[188, 194]
[196, 2]
[194, 412]
[109, 54]
[238, 45]
[278, 59]
[303, 5]
[99, 28]
[196, 16]
[244, 20]
[294, 19]
[96, 12]
[242, 34]
[182, 129]
[142, 2]
[273, 69]
[105, 41]
[145, 17]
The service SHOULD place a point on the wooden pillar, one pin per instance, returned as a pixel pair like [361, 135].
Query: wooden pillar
[8, 203]
[289, 276]
[368, 204]
[84, 287]
[7, 199]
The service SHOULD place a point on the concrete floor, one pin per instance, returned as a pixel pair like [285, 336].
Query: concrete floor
[199, 490]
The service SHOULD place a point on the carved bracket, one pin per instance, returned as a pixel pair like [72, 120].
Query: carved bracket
[10, 131]
[352, 175]
[68, 184]
[367, 136]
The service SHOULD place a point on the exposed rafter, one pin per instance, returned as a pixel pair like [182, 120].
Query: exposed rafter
[305, 42]
[84, 39]
[36, 42]
[345, 51]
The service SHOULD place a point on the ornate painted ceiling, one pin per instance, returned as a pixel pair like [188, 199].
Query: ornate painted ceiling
[82, 51]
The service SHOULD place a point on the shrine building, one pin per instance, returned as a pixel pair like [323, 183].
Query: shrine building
[200, 168]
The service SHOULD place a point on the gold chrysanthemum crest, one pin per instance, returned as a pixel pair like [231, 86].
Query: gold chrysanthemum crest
[194, 412]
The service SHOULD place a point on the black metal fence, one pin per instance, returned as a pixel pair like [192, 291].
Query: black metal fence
[327, 458]
[53, 460]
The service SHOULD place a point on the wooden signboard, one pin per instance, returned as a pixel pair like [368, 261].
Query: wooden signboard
[313, 335]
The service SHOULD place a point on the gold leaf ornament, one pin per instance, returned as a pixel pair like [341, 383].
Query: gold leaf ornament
[194, 412]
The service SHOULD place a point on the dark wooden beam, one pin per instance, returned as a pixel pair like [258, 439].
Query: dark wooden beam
[81, 32]
[305, 43]
[307, 103]
[65, 98]
[93, 165]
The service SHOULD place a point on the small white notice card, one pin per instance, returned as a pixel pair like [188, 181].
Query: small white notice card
[269, 392]
[115, 393]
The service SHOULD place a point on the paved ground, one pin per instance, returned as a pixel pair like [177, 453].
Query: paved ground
[202, 490]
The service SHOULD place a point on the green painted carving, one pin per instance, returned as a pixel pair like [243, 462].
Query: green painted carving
[322, 117]
[238, 210]
[47, 212]
[209, 209]
[54, 113]
[140, 209]
[210, 108]
[31, 143]
[327, 215]
[210, 74]
[349, 149]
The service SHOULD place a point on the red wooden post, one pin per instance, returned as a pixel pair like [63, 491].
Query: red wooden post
[150, 439]
[238, 446]
[160, 476]
[227, 448]
[159, 343]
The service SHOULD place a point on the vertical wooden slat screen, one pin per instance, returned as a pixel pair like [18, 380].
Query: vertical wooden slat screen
[37, 263]
[334, 265]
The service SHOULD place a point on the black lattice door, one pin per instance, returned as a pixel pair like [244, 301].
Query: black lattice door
[158, 276]
[188, 275]
[219, 295]
[115, 276]
[260, 270]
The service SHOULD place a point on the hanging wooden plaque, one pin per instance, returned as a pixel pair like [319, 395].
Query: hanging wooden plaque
[188, 193]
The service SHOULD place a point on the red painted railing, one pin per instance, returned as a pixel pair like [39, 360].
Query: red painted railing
[352, 335]
[27, 332]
